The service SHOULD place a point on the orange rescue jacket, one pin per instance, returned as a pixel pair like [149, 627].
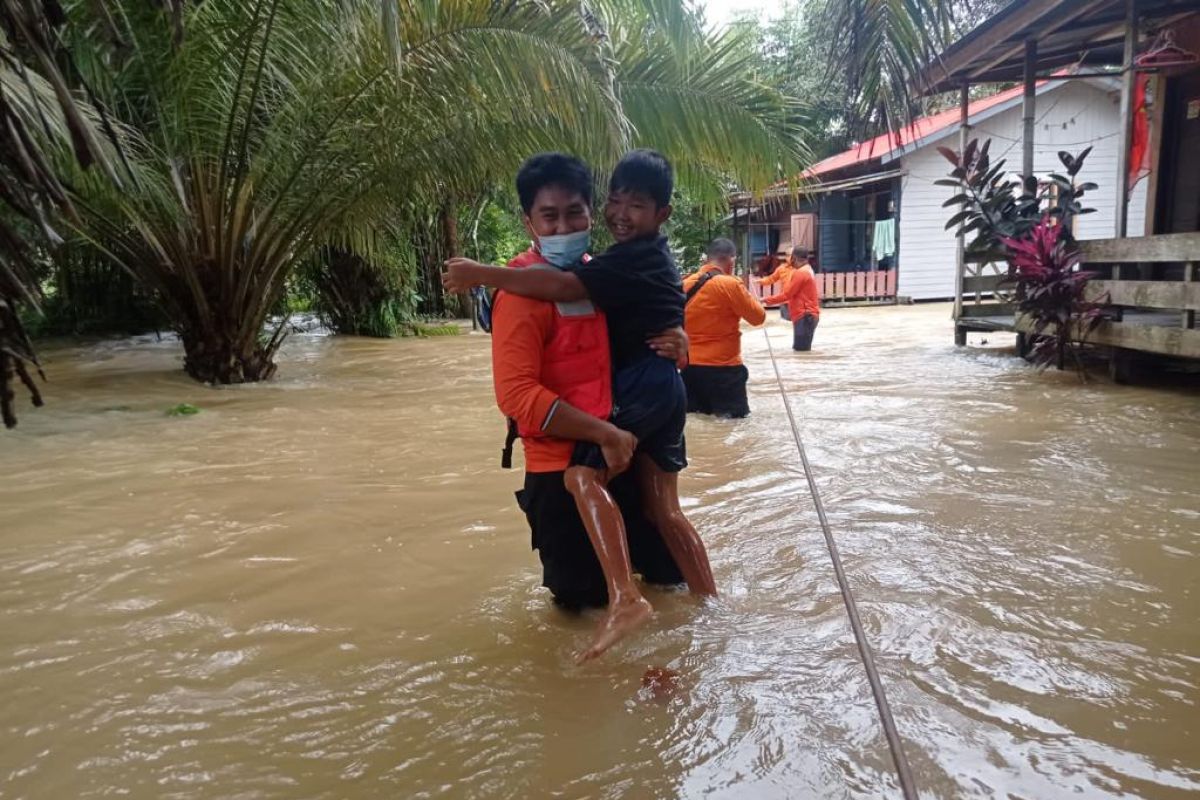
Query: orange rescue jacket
[568, 357]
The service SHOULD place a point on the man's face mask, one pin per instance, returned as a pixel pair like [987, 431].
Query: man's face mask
[565, 250]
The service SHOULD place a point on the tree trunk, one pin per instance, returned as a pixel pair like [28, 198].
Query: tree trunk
[225, 337]
[449, 220]
[215, 357]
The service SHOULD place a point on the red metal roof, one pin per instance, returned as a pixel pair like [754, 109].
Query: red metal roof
[921, 127]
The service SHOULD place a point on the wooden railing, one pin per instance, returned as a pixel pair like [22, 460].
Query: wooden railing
[983, 302]
[983, 290]
[847, 286]
[842, 287]
[1150, 284]
[1153, 313]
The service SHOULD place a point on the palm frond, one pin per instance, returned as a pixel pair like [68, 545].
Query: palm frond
[881, 47]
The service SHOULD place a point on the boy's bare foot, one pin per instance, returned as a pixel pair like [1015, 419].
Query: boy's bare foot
[619, 620]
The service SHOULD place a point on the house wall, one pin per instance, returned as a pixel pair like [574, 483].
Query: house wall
[773, 223]
[1070, 117]
[832, 248]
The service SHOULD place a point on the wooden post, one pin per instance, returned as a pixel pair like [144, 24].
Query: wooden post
[897, 209]
[1128, 79]
[1189, 275]
[964, 125]
[1029, 116]
[737, 236]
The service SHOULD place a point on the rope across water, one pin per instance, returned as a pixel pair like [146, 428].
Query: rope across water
[907, 784]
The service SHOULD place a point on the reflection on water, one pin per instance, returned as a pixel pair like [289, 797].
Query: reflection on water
[320, 587]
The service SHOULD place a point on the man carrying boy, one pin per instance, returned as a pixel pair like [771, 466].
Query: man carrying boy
[553, 380]
[636, 284]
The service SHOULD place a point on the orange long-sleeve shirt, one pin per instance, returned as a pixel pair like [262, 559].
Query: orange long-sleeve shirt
[801, 293]
[781, 275]
[520, 329]
[713, 318]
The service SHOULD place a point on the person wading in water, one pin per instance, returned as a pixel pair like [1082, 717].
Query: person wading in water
[803, 298]
[717, 303]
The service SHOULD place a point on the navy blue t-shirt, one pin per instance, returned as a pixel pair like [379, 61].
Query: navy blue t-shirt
[638, 288]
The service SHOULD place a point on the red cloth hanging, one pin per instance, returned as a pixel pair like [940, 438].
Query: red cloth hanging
[1139, 146]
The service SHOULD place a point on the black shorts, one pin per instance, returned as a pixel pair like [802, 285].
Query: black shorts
[570, 569]
[720, 391]
[651, 403]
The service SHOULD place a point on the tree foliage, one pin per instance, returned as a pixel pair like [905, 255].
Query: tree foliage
[259, 135]
[879, 51]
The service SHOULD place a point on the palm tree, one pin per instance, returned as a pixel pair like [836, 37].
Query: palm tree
[882, 47]
[275, 129]
[694, 96]
[276, 125]
[40, 122]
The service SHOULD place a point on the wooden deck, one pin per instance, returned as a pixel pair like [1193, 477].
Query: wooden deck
[1153, 294]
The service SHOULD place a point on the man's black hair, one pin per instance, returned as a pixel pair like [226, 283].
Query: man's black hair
[647, 172]
[553, 169]
[721, 248]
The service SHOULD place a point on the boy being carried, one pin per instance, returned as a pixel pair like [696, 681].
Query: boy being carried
[635, 282]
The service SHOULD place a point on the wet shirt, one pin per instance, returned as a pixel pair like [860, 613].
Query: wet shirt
[801, 293]
[636, 285]
[713, 318]
[521, 328]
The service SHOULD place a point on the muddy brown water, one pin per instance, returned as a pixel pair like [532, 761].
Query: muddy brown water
[320, 587]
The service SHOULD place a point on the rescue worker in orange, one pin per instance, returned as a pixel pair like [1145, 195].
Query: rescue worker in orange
[716, 305]
[779, 279]
[803, 298]
[553, 378]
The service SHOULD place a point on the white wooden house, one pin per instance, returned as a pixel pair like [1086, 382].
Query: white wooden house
[892, 178]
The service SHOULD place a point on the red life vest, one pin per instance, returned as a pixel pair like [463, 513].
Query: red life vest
[576, 361]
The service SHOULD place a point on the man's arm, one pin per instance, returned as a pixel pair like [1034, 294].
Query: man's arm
[672, 344]
[519, 331]
[568, 422]
[776, 299]
[551, 285]
[791, 290]
[746, 306]
[775, 277]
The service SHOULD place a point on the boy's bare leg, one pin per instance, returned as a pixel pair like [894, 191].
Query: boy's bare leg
[627, 609]
[660, 498]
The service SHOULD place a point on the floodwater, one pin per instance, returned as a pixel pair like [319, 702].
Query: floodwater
[320, 587]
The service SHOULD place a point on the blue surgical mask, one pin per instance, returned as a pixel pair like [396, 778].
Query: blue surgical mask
[565, 250]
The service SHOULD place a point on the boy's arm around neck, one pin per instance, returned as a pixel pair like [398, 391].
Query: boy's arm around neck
[551, 285]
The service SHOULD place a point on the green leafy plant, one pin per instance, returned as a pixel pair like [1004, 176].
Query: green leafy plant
[1029, 227]
[248, 135]
[434, 329]
[1044, 266]
[996, 207]
[183, 410]
[361, 295]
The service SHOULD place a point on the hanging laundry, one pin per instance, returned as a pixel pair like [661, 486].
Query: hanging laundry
[884, 240]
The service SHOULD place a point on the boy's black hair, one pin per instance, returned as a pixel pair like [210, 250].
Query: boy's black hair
[647, 172]
[553, 169]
